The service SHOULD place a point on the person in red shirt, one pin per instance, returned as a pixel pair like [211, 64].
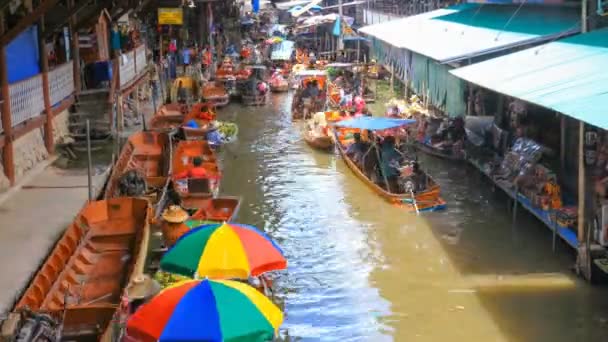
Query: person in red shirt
[198, 171]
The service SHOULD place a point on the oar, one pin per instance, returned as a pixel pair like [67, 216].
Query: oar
[414, 202]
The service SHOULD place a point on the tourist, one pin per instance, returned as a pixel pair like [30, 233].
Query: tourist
[186, 58]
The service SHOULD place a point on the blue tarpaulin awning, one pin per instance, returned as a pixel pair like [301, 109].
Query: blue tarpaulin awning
[468, 30]
[374, 123]
[568, 76]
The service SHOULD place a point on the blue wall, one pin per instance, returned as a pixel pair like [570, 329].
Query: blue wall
[22, 56]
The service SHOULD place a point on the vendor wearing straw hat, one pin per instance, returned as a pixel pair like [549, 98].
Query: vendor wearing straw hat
[174, 226]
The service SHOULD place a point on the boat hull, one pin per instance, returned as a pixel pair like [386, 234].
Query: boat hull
[428, 200]
[98, 256]
[324, 143]
[144, 152]
[220, 209]
[438, 153]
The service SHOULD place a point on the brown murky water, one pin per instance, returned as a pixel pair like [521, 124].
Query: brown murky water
[362, 270]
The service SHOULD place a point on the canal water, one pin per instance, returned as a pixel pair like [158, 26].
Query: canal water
[363, 270]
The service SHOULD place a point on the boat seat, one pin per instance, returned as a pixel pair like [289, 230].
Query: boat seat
[199, 185]
[115, 227]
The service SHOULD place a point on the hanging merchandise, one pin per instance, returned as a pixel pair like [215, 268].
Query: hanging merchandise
[590, 148]
[255, 5]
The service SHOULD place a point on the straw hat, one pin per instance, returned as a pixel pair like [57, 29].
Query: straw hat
[175, 214]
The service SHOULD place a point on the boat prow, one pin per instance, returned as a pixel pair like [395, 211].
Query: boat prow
[325, 142]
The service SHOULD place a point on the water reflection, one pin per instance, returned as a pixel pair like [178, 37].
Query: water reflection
[362, 270]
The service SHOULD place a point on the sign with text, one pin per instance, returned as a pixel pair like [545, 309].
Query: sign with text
[170, 16]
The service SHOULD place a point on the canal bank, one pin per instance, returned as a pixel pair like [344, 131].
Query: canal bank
[35, 215]
[362, 270]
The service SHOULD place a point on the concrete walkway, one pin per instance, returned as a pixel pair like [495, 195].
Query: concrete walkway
[32, 218]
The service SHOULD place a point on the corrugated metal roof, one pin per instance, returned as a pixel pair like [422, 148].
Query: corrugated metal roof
[568, 76]
[468, 30]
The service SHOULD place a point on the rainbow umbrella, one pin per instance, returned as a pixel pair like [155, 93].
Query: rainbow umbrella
[224, 251]
[206, 310]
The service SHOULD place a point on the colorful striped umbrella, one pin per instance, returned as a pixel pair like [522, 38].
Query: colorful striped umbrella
[223, 251]
[206, 310]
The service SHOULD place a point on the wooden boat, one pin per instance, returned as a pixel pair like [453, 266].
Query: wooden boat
[303, 78]
[215, 94]
[168, 117]
[145, 153]
[440, 153]
[203, 114]
[82, 281]
[185, 151]
[427, 200]
[206, 208]
[318, 142]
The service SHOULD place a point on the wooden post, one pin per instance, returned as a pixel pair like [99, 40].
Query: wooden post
[46, 92]
[470, 101]
[581, 183]
[75, 50]
[137, 104]
[7, 125]
[392, 69]
[89, 162]
[120, 120]
[562, 142]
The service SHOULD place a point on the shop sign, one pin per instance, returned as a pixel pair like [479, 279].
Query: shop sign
[170, 16]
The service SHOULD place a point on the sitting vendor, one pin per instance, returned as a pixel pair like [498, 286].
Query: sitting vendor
[197, 171]
[357, 149]
[390, 161]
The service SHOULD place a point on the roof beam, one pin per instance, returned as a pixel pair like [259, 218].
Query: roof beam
[27, 21]
[67, 17]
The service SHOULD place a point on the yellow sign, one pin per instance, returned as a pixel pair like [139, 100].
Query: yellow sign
[170, 16]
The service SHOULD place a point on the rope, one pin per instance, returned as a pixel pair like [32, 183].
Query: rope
[474, 15]
[562, 34]
[510, 19]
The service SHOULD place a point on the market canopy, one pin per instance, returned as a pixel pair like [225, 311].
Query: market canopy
[374, 123]
[568, 76]
[469, 30]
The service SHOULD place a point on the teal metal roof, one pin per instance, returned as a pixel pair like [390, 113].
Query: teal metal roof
[469, 30]
[568, 76]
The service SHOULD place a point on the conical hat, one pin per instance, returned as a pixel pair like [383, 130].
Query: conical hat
[175, 214]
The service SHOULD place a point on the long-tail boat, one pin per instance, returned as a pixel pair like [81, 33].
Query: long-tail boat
[145, 152]
[426, 199]
[83, 280]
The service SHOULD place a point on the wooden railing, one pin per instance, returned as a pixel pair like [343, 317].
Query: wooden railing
[131, 65]
[27, 100]
[61, 82]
